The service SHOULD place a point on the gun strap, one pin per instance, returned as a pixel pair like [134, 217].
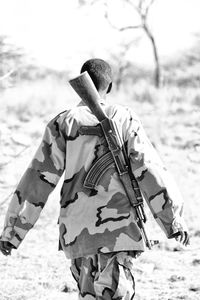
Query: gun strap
[91, 130]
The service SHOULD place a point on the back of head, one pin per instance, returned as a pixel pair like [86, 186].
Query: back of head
[100, 73]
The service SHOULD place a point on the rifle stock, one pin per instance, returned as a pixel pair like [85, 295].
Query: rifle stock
[85, 88]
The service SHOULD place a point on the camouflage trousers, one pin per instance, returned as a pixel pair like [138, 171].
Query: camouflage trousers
[104, 276]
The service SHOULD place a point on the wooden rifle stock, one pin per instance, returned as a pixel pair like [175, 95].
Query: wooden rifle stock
[85, 88]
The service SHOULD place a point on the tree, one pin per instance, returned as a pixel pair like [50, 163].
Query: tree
[142, 7]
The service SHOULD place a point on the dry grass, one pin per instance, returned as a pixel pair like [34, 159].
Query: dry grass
[37, 270]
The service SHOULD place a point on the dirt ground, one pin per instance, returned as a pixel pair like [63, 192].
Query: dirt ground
[38, 271]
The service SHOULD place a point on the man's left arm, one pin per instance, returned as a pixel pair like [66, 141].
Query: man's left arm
[157, 185]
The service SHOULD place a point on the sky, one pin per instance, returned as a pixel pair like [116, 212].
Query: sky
[56, 33]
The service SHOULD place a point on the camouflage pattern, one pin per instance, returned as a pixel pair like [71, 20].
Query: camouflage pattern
[104, 276]
[96, 220]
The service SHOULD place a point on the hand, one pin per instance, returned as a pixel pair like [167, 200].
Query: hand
[6, 248]
[182, 237]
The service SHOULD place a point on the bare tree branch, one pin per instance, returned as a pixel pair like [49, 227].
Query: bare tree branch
[142, 8]
[130, 27]
[116, 27]
[7, 75]
[155, 53]
[147, 7]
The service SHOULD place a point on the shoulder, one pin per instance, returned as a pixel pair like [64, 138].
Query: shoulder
[62, 119]
[57, 124]
[67, 122]
[125, 113]
[59, 118]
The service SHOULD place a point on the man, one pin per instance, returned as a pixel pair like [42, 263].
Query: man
[98, 227]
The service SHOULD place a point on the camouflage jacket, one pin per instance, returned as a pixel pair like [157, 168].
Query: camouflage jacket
[100, 219]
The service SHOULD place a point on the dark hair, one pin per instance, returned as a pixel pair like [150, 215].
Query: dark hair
[100, 73]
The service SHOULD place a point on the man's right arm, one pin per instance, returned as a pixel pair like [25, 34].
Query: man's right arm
[37, 183]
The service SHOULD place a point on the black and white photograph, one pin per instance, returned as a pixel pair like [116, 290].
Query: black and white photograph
[99, 150]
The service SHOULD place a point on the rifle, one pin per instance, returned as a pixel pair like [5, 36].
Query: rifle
[116, 156]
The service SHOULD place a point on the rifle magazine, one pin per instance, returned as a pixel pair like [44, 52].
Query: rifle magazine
[98, 169]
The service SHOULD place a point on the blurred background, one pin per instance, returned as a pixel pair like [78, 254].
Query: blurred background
[153, 47]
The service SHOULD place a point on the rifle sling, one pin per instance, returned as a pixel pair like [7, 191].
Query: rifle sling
[91, 130]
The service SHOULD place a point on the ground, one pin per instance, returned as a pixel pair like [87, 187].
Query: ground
[38, 271]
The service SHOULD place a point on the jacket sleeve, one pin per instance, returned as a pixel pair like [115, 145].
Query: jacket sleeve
[37, 183]
[156, 183]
